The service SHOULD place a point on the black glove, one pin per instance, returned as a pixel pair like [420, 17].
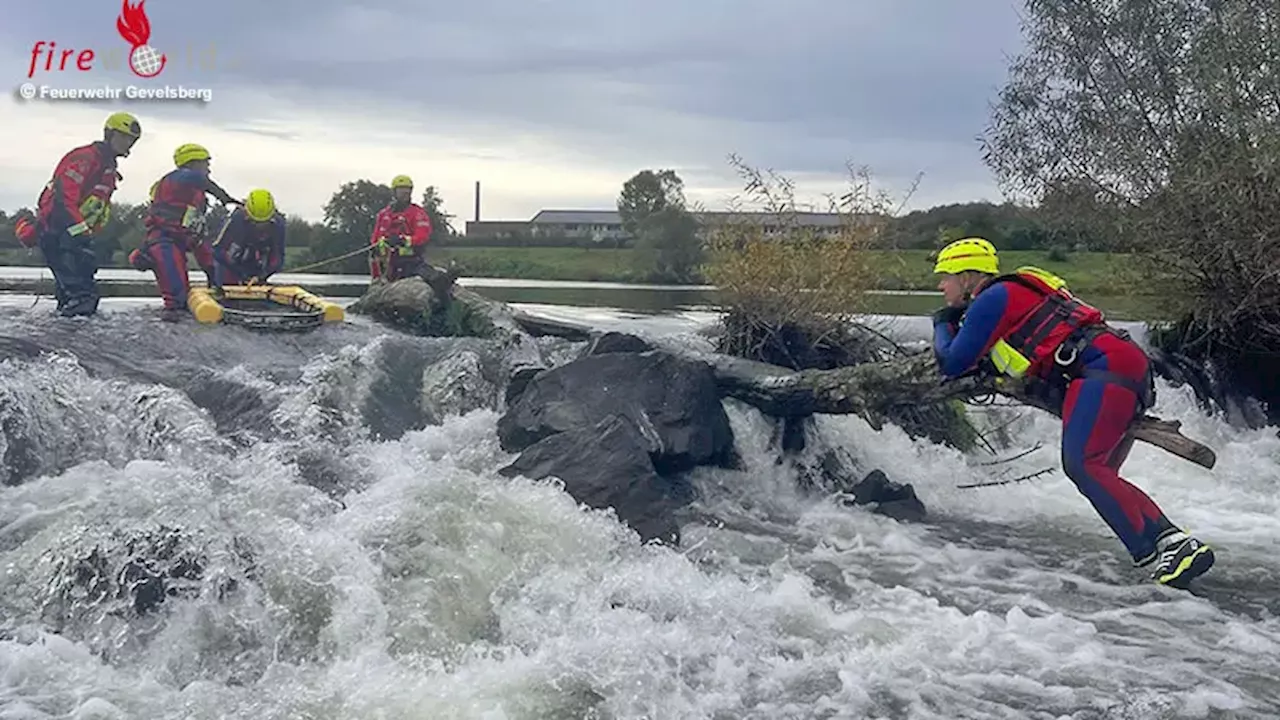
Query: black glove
[1050, 392]
[948, 315]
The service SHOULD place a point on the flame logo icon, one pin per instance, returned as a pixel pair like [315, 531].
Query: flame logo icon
[133, 25]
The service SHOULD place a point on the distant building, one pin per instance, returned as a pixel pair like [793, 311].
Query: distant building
[606, 225]
[496, 228]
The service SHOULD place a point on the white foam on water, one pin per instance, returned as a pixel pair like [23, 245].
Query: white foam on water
[442, 590]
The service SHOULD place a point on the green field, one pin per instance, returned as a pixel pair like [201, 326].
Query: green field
[1087, 273]
[546, 263]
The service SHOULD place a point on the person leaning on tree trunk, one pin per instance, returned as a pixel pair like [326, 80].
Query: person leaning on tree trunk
[1027, 325]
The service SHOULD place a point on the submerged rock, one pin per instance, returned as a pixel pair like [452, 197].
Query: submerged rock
[606, 465]
[133, 573]
[456, 385]
[834, 473]
[888, 497]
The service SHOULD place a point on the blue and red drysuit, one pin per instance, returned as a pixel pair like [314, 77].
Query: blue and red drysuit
[175, 225]
[84, 178]
[1107, 386]
[246, 249]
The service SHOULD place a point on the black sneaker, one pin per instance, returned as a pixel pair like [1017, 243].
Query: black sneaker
[1182, 559]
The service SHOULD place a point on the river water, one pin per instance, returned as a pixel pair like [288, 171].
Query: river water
[361, 565]
[632, 297]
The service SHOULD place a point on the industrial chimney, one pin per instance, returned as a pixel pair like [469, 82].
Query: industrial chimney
[477, 201]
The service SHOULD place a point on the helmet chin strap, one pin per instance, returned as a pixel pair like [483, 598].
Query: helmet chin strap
[970, 287]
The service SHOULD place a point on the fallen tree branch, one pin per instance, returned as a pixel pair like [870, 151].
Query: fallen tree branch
[871, 389]
[997, 483]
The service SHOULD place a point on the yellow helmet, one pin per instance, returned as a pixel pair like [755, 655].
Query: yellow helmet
[123, 122]
[971, 253]
[260, 205]
[400, 181]
[189, 152]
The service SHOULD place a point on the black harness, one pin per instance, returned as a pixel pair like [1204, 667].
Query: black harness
[1068, 366]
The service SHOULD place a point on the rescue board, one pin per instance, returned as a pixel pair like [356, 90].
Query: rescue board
[268, 307]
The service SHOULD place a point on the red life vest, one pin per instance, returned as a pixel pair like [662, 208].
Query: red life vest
[1038, 333]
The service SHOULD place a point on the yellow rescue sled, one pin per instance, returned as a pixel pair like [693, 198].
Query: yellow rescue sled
[265, 307]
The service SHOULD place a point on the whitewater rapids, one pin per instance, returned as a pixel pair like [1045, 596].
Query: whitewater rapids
[408, 580]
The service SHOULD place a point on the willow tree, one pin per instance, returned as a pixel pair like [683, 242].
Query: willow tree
[1163, 118]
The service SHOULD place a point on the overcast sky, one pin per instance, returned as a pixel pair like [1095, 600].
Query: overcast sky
[548, 103]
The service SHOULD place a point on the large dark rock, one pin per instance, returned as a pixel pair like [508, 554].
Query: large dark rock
[606, 465]
[615, 342]
[887, 497]
[673, 402]
[834, 473]
[519, 382]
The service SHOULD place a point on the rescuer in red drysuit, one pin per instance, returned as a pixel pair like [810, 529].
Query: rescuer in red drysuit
[74, 206]
[400, 235]
[176, 224]
[1028, 325]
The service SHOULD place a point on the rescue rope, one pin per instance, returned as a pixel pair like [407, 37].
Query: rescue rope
[336, 258]
[37, 300]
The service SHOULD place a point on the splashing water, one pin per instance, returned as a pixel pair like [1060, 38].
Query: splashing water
[337, 554]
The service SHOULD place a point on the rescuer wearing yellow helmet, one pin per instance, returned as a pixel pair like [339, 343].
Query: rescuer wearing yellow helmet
[1027, 325]
[176, 224]
[401, 232]
[73, 207]
[250, 247]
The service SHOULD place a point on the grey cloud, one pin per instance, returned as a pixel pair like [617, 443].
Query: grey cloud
[284, 135]
[799, 86]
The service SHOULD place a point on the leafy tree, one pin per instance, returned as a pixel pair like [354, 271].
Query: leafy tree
[441, 227]
[646, 193]
[652, 208]
[351, 210]
[1167, 114]
[950, 234]
[1008, 225]
[349, 218]
[298, 232]
[669, 247]
[123, 232]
